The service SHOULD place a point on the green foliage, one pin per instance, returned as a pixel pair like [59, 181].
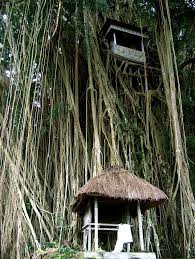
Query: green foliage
[182, 15]
[93, 5]
[67, 252]
[124, 127]
[188, 101]
[190, 141]
[62, 252]
[28, 207]
[145, 11]
[72, 14]
[59, 109]
[127, 123]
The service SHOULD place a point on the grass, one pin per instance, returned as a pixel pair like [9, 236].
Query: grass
[51, 251]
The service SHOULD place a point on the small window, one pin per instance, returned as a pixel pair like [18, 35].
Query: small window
[128, 40]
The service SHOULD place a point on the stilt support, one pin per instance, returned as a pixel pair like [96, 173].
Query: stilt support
[141, 236]
[96, 223]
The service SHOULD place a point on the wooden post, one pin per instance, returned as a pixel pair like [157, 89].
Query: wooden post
[84, 240]
[130, 78]
[114, 35]
[89, 238]
[96, 223]
[87, 218]
[141, 237]
[142, 45]
[128, 222]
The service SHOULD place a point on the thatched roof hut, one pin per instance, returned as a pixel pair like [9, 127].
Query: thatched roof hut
[116, 183]
[116, 195]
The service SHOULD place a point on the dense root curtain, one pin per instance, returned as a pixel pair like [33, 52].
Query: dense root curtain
[181, 186]
[70, 109]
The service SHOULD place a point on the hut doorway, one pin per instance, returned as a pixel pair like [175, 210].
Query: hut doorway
[109, 226]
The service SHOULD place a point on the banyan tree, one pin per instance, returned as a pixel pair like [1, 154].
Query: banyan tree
[87, 85]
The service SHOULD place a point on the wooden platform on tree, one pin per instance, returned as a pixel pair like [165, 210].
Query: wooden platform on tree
[121, 255]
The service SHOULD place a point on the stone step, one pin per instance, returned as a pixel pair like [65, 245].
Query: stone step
[120, 255]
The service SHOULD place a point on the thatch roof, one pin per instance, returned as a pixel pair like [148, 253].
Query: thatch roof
[118, 183]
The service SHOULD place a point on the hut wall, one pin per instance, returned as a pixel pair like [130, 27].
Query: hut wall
[130, 54]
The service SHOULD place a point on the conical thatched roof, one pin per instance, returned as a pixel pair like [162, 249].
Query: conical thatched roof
[118, 183]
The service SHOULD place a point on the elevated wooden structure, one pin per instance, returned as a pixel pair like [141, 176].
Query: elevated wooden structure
[125, 41]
